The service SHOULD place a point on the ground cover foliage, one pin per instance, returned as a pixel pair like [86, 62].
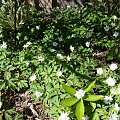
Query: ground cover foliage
[65, 65]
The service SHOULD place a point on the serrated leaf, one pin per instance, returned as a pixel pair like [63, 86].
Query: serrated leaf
[2, 84]
[22, 83]
[7, 75]
[90, 86]
[79, 111]
[69, 89]
[96, 116]
[12, 68]
[93, 97]
[69, 101]
[11, 84]
[18, 117]
[8, 117]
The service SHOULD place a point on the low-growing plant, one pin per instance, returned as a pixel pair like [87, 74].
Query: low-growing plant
[80, 96]
[72, 46]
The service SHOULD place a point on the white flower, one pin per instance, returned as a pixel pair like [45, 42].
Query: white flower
[60, 38]
[111, 81]
[59, 56]
[0, 104]
[108, 99]
[100, 71]
[63, 116]
[87, 44]
[55, 44]
[68, 58]
[40, 58]
[37, 27]
[113, 66]
[80, 93]
[73, 35]
[9, 66]
[114, 17]
[3, 46]
[68, 6]
[117, 107]
[113, 117]
[27, 63]
[106, 28]
[71, 48]
[38, 94]
[59, 73]
[33, 77]
[116, 34]
[85, 117]
[27, 45]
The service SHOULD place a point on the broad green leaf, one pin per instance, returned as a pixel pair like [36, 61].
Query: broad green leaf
[69, 101]
[90, 86]
[93, 105]
[68, 89]
[79, 111]
[96, 116]
[93, 97]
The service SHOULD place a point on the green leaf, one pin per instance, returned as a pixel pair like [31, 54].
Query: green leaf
[93, 105]
[96, 116]
[116, 51]
[1, 116]
[79, 111]
[90, 86]
[8, 117]
[12, 68]
[11, 84]
[18, 117]
[2, 84]
[21, 84]
[7, 75]
[93, 97]
[68, 89]
[69, 101]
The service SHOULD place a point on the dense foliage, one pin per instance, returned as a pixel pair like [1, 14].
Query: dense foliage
[68, 58]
